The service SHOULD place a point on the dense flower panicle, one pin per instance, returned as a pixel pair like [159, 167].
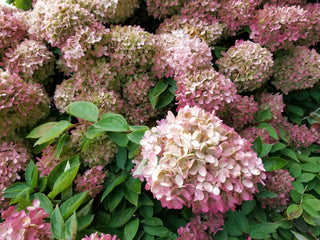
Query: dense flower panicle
[235, 14]
[280, 183]
[251, 133]
[12, 28]
[201, 227]
[178, 53]
[206, 89]
[247, 64]
[206, 10]
[95, 236]
[279, 27]
[25, 226]
[297, 68]
[13, 159]
[195, 160]
[285, 2]
[163, 8]
[91, 181]
[274, 102]
[21, 103]
[240, 112]
[31, 60]
[100, 151]
[104, 10]
[209, 31]
[131, 50]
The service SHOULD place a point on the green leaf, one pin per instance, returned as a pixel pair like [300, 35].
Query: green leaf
[152, 221]
[84, 110]
[144, 200]
[14, 189]
[59, 169]
[264, 115]
[112, 184]
[121, 157]
[60, 144]
[45, 202]
[133, 149]
[112, 122]
[23, 194]
[156, 231]
[218, 50]
[294, 211]
[72, 204]
[248, 206]
[54, 132]
[56, 223]
[159, 88]
[257, 145]
[306, 177]
[165, 99]
[298, 236]
[84, 221]
[94, 132]
[119, 138]
[290, 153]
[153, 100]
[267, 194]
[134, 184]
[272, 132]
[266, 148]
[136, 136]
[87, 209]
[295, 170]
[131, 196]
[70, 228]
[274, 163]
[310, 167]
[146, 211]
[277, 147]
[24, 5]
[41, 130]
[296, 110]
[31, 174]
[263, 230]
[120, 218]
[131, 228]
[113, 199]
[42, 184]
[64, 181]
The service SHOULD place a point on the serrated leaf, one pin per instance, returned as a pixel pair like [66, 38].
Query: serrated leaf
[112, 122]
[45, 202]
[136, 136]
[290, 153]
[84, 110]
[41, 130]
[84, 221]
[310, 167]
[267, 194]
[54, 132]
[87, 209]
[156, 231]
[272, 132]
[306, 177]
[31, 174]
[295, 170]
[113, 199]
[294, 211]
[119, 138]
[263, 230]
[165, 99]
[131, 196]
[72, 204]
[56, 223]
[64, 181]
[278, 146]
[121, 157]
[111, 185]
[14, 189]
[159, 88]
[122, 217]
[60, 145]
[266, 148]
[248, 206]
[24, 5]
[134, 184]
[133, 149]
[264, 115]
[257, 145]
[152, 221]
[274, 163]
[299, 236]
[70, 228]
[131, 229]
[296, 110]
[153, 100]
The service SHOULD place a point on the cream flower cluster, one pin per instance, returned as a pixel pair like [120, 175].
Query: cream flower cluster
[193, 159]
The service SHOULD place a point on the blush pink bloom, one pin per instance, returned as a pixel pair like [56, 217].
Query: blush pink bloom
[163, 8]
[275, 103]
[194, 159]
[25, 226]
[95, 236]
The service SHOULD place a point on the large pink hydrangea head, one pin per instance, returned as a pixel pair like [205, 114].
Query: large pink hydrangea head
[58, 20]
[247, 64]
[240, 112]
[208, 31]
[131, 50]
[194, 159]
[280, 183]
[202, 227]
[163, 8]
[21, 103]
[206, 10]
[100, 151]
[251, 133]
[274, 102]
[285, 2]
[178, 53]
[25, 226]
[278, 27]
[206, 89]
[14, 158]
[30, 59]
[235, 14]
[12, 28]
[91, 181]
[95, 236]
[297, 68]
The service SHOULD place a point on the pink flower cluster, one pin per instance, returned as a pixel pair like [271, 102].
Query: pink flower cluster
[31, 60]
[235, 14]
[297, 68]
[21, 103]
[251, 133]
[25, 226]
[278, 182]
[201, 227]
[163, 8]
[247, 64]
[206, 89]
[91, 181]
[13, 159]
[275, 103]
[208, 31]
[194, 159]
[95, 236]
[279, 26]
[178, 52]
[286, 2]
[204, 9]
